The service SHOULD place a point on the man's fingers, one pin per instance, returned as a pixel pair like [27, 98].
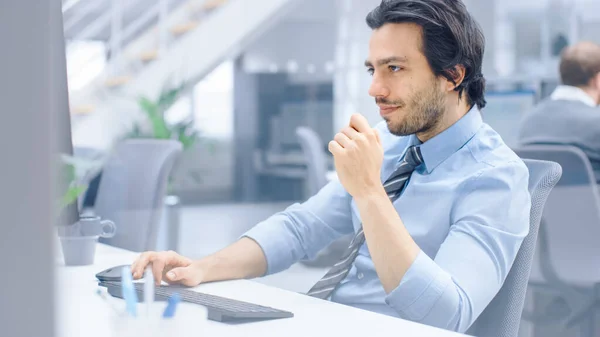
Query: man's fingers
[342, 140]
[184, 275]
[351, 133]
[139, 265]
[335, 147]
[158, 265]
[360, 123]
[178, 274]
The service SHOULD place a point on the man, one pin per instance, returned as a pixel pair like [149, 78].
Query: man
[437, 202]
[571, 115]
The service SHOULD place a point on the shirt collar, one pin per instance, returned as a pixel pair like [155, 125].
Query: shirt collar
[443, 145]
[570, 93]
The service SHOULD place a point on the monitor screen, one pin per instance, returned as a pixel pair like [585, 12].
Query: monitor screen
[60, 95]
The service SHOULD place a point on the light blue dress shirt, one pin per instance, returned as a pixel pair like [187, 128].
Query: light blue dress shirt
[467, 208]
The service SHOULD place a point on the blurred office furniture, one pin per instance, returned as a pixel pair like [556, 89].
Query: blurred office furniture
[568, 252]
[133, 189]
[501, 318]
[316, 163]
[505, 109]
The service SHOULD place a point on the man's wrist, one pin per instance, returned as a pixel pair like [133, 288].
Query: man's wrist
[208, 266]
[372, 193]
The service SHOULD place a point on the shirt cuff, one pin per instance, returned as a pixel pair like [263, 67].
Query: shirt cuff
[263, 236]
[420, 289]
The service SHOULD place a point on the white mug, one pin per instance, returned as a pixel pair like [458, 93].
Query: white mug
[90, 225]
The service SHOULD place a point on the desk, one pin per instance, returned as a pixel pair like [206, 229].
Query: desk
[82, 313]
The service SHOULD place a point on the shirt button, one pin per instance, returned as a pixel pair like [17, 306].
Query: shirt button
[360, 276]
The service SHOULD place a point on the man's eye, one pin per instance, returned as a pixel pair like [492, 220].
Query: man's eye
[395, 68]
[370, 71]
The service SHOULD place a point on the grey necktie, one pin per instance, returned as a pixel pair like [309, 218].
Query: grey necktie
[393, 187]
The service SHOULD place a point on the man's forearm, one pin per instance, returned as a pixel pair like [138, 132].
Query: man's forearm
[391, 247]
[241, 260]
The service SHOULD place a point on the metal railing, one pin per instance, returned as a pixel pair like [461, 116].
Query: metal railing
[120, 33]
[111, 17]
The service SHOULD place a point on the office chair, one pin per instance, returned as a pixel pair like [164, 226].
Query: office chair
[316, 162]
[502, 317]
[566, 262]
[133, 188]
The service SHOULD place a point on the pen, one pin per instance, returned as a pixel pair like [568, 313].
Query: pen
[148, 290]
[171, 306]
[128, 291]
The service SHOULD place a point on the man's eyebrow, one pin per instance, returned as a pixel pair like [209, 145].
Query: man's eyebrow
[387, 60]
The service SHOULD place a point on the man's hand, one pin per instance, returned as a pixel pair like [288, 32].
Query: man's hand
[358, 156]
[170, 266]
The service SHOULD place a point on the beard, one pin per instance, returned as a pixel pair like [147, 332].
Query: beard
[422, 113]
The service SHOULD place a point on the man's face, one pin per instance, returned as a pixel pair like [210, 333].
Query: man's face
[410, 97]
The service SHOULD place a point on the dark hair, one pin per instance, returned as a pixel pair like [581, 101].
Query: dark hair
[451, 37]
[579, 64]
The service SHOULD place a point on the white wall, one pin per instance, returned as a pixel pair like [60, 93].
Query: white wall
[302, 44]
[351, 80]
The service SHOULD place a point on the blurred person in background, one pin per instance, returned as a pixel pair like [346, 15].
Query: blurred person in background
[570, 116]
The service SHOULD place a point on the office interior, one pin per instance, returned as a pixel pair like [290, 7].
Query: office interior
[241, 81]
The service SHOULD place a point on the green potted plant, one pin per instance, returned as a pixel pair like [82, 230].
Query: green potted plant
[75, 187]
[158, 127]
[74, 174]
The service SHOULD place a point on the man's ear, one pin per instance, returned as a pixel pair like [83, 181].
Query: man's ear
[458, 75]
[596, 86]
[596, 82]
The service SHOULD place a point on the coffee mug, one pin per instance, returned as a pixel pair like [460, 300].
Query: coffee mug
[79, 250]
[92, 225]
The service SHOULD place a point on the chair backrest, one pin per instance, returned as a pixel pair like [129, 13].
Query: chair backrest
[133, 188]
[571, 218]
[316, 160]
[502, 317]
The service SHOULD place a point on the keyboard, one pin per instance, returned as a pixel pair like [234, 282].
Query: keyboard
[220, 309]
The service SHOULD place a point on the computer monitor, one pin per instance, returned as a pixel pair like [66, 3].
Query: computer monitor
[60, 92]
[34, 110]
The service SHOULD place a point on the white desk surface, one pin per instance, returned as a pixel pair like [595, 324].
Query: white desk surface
[81, 312]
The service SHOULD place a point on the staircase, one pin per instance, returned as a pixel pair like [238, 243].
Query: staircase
[167, 43]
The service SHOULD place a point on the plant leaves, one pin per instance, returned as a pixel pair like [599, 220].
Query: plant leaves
[159, 128]
[71, 195]
[167, 99]
[147, 105]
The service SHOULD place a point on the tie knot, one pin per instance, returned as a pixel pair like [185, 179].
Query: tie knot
[413, 156]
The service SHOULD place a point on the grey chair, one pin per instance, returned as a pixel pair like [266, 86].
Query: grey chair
[133, 188]
[568, 255]
[316, 160]
[502, 317]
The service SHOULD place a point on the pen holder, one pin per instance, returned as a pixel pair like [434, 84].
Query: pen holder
[152, 324]
[148, 327]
